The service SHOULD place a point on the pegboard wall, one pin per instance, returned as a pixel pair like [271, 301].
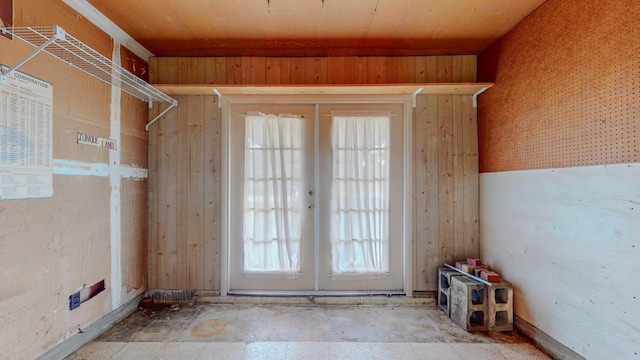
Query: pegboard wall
[566, 88]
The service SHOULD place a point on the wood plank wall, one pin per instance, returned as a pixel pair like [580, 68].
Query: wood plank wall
[185, 163]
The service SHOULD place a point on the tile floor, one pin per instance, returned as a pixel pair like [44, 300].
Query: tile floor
[300, 331]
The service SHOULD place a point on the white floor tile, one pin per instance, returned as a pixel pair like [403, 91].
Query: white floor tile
[308, 351]
[138, 350]
[266, 351]
[350, 351]
[392, 351]
[181, 350]
[440, 351]
[223, 351]
[479, 351]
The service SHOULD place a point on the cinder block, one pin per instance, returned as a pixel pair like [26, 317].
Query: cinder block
[469, 304]
[444, 288]
[500, 302]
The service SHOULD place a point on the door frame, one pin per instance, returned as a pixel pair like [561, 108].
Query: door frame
[407, 191]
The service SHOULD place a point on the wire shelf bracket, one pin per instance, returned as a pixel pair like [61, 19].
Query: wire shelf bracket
[55, 41]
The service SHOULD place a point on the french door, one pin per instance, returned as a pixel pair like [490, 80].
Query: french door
[315, 197]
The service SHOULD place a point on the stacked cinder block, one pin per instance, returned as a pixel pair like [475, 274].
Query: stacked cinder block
[472, 304]
[468, 304]
[500, 304]
[444, 288]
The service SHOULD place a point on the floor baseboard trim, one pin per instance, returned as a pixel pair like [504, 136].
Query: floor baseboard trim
[552, 346]
[86, 335]
[212, 297]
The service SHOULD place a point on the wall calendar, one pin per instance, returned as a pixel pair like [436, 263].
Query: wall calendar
[26, 140]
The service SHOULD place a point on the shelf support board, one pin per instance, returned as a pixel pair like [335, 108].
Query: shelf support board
[475, 96]
[415, 95]
[173, 104]
[219, 96]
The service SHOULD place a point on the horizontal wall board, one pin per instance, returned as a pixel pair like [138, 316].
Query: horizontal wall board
[568, 241]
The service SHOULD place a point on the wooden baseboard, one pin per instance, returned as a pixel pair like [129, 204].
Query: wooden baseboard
[552, 346]
[92, 331]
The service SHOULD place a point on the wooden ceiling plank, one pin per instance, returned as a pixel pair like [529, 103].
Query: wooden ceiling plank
[105, 24]
[351, 19]
[389, 20]
[315, 28]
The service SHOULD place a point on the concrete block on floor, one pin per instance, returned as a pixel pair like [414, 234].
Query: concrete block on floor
[444, 288]
[468, 304]
[500, 306]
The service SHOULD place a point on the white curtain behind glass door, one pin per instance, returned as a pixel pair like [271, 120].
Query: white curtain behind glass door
[273, 194]
[360, 193]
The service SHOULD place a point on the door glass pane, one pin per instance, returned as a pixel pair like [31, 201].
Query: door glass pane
[273, 193]
[360, 193]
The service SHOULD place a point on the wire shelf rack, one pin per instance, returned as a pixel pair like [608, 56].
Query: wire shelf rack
[57, 43]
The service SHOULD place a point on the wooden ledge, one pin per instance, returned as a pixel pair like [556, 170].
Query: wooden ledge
[369, 89]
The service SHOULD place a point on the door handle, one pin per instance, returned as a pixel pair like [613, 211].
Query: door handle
[310, 206]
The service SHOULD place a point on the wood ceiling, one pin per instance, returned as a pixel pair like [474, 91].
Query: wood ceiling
[315, 27]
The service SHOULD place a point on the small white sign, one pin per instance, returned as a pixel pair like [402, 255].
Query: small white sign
[88, 139]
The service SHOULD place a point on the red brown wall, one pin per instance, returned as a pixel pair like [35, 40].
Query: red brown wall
[566, 89]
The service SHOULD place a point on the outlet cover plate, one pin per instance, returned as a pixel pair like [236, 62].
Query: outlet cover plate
[74, 300]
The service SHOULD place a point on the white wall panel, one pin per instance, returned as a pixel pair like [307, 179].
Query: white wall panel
[569, 241]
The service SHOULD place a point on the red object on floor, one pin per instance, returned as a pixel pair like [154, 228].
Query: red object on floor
[146, 303]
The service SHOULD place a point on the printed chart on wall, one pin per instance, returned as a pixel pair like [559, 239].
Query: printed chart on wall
[26, 125]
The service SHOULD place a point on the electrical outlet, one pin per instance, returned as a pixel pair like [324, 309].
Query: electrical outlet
[74, 300]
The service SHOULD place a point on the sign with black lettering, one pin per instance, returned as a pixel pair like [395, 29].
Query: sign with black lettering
[93, 140]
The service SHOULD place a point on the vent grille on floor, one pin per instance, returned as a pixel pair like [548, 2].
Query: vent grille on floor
[172, 295]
